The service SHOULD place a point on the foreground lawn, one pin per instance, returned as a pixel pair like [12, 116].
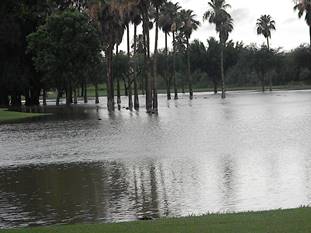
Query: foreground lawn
[279, 221]
[8, 116]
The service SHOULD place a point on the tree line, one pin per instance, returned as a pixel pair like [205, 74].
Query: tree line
[67, 45]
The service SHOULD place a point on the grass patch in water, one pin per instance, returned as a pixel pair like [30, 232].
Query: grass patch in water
[11, 116]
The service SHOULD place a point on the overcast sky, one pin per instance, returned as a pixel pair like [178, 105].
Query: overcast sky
[291, 31]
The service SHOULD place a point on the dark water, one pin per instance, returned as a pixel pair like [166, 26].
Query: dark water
[251, 151]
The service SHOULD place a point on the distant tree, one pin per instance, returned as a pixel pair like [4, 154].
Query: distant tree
[167, 18]
[188, 25]
[64, 48]
[265, 24]
[223, 21]
[304, 7]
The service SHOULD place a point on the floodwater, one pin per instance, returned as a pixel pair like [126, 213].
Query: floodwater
[251, 151]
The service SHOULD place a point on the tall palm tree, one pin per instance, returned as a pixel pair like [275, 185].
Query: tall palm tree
[188, 25]
[265, 24]
[136, 20]
[304, 7]
[165, 22]
[157, 4]
[218, 15]
[173, 11]
[145, 10]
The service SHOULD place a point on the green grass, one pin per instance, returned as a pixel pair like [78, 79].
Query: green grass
[9, 116]
[102, 89]
[278, 221]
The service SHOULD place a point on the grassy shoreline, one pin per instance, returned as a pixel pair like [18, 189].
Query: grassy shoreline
[10, 116]
[102, 90]
[275, 221]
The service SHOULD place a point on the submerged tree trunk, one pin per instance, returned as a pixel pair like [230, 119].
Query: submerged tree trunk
[155, 64]
[189, 71]
[96, 94]
[16, 100]
[44, 96]
[270, 78]
[85, 92]
[166, 76]
[75, 98]
[58, 97]
[136, 99]
[147, 63]
[174, 68]
[129, 86]
[110, 90]
[215, 86]
[263, 82]
[118, 83]
[223, 90]
[118, 94]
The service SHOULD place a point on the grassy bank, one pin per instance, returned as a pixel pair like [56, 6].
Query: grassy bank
[278, 221]
[9, 116]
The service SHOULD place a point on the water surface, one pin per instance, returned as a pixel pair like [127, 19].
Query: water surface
[251, 151]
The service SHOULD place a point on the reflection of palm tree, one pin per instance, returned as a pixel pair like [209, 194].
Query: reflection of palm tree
[223, 21]
[304, 7]
[188, 25]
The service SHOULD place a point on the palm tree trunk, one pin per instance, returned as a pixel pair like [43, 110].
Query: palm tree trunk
[270, 78]
[110, 91]
[263, 82]
[136, 99]
[75, 98]
[155, 64]
[96, 94]
[215, 86]
[44, 94]
[189, 71]
[174, 68]
[166, 76]
[85, 93]
[147, 63]
[223, 92]
[118, 83]
[310, 34]
[129, 86]
[58, 97]
[118, 93]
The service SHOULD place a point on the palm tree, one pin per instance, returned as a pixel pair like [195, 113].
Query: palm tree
[188, 25]
[145, 8]
[157, 5]
[165, 22]
[136, 20]
[304, 7]
[218, 15]
[265, 25]
[173, 24]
